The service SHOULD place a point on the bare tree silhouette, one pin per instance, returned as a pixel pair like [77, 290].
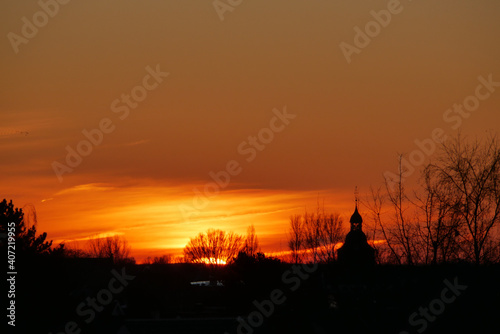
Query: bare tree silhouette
[296, 237]
[115, 247]
[316, 233]
[467, 178]
[440, 224]
[454, 217]
[213, 247]
[251, 246]
[163, 259]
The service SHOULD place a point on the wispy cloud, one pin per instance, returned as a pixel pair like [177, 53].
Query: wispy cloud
[139, 142]
[98, 236]
[85, 187]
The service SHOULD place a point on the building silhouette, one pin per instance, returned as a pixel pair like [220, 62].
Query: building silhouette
[356, 250]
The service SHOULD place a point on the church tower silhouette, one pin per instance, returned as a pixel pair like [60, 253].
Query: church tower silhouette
[356, 250]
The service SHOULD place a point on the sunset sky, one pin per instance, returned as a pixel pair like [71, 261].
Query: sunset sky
[267, 94]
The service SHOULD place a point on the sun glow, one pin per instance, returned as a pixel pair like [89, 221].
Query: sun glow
[213, 260]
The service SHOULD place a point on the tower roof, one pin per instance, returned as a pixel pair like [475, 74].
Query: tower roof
[356, 217]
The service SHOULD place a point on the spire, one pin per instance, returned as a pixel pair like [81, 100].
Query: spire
[356, 219]
[356, 193]
[356, 250]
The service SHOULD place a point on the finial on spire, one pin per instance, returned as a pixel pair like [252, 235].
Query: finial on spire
[356, 193]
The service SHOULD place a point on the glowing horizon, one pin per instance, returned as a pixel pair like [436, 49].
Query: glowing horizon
[155, 224]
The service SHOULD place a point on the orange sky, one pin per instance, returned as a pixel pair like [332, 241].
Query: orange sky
[225, 79]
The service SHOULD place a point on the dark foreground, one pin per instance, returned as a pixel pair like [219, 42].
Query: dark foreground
[94, 296]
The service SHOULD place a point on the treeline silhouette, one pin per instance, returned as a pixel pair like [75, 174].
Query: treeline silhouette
[454, 215]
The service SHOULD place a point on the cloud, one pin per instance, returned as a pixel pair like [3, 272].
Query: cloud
[99, 236]
[139, 142]
[85, 187]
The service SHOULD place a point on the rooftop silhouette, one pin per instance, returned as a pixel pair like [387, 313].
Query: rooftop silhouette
[356, 250]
